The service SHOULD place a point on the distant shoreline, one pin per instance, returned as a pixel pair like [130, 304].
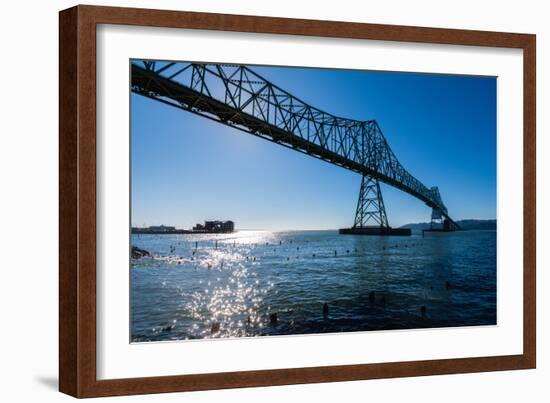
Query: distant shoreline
[465, 225]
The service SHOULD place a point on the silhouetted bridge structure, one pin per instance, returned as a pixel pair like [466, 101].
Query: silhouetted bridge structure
[238, 97]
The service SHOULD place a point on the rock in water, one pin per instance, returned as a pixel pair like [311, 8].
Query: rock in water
[372, 296]
[325, 309]
[138, 253]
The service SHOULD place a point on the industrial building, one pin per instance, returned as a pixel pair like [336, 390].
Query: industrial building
[215, 227]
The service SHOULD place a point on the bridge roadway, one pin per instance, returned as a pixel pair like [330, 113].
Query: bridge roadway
[238, 97]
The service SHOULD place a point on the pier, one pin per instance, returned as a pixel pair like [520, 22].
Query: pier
[209, 227]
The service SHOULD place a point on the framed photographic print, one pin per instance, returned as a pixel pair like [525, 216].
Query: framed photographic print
[254, 201]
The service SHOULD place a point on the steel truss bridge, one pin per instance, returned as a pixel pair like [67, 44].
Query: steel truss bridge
[238, 97]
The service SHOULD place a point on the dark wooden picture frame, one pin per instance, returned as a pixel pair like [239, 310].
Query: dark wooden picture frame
[77, 206]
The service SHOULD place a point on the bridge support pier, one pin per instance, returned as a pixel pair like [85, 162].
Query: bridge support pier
[370, 214]
[439, 223]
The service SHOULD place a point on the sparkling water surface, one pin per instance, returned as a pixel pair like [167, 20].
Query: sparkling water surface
[257, 283]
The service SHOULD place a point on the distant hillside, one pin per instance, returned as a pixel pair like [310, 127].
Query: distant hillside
[464, 224]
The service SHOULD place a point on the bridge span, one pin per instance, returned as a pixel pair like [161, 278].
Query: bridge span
[238, 97]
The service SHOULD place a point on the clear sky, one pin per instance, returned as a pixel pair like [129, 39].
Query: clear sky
[187, 169]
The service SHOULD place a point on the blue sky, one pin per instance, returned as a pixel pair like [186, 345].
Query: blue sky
[187, 169]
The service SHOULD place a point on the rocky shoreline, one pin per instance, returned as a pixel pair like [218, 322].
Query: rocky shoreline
[138, 253]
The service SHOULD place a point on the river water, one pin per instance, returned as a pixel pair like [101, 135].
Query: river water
[253, 283]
